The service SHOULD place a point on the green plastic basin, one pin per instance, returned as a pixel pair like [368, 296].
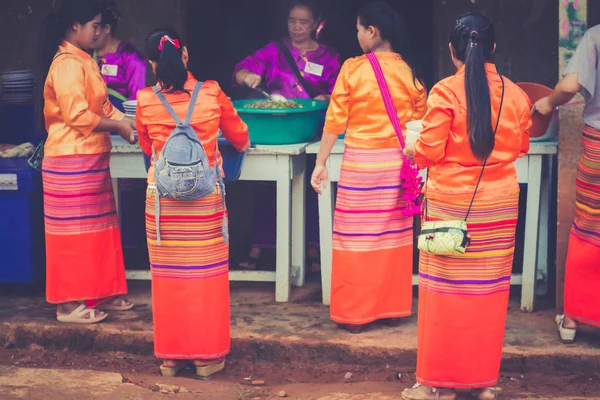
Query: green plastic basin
[282, 125]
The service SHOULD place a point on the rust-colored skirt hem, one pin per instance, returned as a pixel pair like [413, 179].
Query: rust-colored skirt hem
[371, 319]
[207, 357]
[457, 385]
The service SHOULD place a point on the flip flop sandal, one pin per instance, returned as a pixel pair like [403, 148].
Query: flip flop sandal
[490, 393]
[174, 370]
[567, 335]
[419, 392]
[206, 372]
[109, 306]
[77, 316]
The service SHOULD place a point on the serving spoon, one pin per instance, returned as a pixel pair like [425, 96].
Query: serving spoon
[271, 97]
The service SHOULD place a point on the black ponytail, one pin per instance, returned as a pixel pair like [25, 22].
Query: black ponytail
[53, 31]
[391, 25]
[166, 53]
[473, 39]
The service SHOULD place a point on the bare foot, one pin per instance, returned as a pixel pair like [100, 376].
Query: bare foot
[570, 323]
[68, 308]
[172, 363]
[206, 363]
[119, 302]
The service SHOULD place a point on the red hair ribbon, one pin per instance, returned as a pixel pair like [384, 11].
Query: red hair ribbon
[165, 39]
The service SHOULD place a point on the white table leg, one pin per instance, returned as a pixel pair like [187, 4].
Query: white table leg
[282, 273]
[299, 229]
[544, 223]
[326, 201]
[531, 233]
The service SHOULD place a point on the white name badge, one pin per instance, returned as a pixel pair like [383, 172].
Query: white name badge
[109, 70]
[313, 69]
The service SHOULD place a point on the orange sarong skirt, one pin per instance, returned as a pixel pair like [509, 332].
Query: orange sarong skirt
[582, 280]
[190, 278]
[463, 300]
[372, 240]
[84, 257]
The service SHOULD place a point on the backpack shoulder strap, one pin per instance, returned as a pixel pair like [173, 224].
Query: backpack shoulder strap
[165, 102]
[193, 99]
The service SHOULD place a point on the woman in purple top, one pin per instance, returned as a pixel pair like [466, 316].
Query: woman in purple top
[121, 64]
[319, 65]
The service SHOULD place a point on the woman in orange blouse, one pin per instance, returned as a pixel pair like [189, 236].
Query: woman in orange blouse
[372, 239]
[190, 266]
[84, 260]
[477, 124]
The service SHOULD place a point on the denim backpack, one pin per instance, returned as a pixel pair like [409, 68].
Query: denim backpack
[183, 172]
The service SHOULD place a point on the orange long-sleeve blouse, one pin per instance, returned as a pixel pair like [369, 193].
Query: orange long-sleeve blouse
[444, 147]
[75, 99]
[357, 106]
[213, 111]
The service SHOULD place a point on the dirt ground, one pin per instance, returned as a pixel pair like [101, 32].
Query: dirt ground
[298, 380]
[293, 347]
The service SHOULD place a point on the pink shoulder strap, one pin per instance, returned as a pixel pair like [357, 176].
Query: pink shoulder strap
[411, 181]
[387, 97]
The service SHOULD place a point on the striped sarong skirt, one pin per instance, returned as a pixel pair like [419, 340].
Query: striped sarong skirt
[463, 300]
[190, 278]
[372, 240]
[84, 257]
[582, 280]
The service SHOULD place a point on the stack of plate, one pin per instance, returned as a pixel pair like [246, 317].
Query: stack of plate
[130, 107]
[17, 87]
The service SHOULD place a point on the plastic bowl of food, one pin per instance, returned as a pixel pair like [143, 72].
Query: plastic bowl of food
[273, 122]
[541, 124]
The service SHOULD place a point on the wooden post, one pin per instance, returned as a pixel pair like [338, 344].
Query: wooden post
[572, 24]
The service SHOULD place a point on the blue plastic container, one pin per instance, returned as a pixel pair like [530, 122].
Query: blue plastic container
[233, 161]
[22, 250]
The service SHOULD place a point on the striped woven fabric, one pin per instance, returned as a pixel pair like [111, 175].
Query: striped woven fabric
[84, 257]
[372, 240]
[190, 280]
[368, 211]
[486, 266]
[586, 225]
[582, 280]
[78, 194]
[463, 300]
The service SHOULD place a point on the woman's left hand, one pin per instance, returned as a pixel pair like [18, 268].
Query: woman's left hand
[323, 97]
[409, 152]
[319, 178]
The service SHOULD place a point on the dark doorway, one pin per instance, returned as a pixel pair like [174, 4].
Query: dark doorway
[223, 32]
[593, 13]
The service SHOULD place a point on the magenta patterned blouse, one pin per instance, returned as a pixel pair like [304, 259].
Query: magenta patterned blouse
[278, 77]
[130, 70]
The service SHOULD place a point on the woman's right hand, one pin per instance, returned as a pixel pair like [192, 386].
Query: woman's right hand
[319, 178]
[543, 106]
[126, 131]
[252, 80]
[246, 147]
